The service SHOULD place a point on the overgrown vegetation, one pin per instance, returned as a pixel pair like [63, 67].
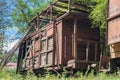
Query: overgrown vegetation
[13, 59]
[10, 75]
[98, 13]
[24, 11]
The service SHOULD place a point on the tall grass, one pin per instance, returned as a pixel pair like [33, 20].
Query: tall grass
[11, 75]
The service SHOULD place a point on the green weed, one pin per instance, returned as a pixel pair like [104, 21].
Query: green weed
[11, 75]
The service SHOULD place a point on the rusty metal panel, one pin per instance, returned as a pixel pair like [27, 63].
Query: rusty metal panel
[43, 33]
[59, 44]
[50, 44]
[114, 28]
[43, 46]
[36, 62]
[36, 54]
[115, 50]
[49, 58]
[114, 8]
[46, 52]
[49, 30]
[37, 44]
[43, 59]
[114, 31]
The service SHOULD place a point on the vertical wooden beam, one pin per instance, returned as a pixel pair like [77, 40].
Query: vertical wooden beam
[87, 51]
[58, 56]
[96, 47]
[107, 21]
[51, 12]
[35, 24]
[38, 20]
[33, 53]
[73, 45]
[65, 46]
[69, 2]
[75, 38]
[54, 43]
[46, 50]
[20, 60]
[39, 50]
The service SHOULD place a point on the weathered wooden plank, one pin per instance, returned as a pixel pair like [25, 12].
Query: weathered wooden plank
[92, 41]
[68, 8]
[75, 38]
[63, 16]
[75, 4]
[55, 4]
[40, 13]
[87, 51]
[96, 48]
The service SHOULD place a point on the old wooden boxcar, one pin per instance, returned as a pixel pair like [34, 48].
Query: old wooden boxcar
[114, 32]
[66, 41]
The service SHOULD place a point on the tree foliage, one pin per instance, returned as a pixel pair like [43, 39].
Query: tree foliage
[24, 11]
[98, 16]
[4, 22]
[98, 13]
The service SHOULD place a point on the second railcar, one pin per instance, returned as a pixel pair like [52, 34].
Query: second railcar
[114, 33]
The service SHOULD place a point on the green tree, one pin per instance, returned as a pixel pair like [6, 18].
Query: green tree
[4, 22]
[98, 13]
[14, 58]
[2, 4]
[24, 11]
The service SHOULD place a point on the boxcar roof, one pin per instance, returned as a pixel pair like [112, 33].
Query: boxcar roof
[57, 10]
[67, 16]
